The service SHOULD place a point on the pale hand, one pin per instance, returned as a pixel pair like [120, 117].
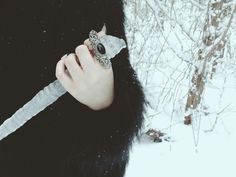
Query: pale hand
[85, 78]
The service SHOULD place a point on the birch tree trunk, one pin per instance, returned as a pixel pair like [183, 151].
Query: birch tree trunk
[211, 51]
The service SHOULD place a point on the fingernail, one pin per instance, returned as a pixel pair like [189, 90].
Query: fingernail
[64, 56]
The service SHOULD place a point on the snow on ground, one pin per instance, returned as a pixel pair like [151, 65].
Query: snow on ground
[193, 151]
[213, 155]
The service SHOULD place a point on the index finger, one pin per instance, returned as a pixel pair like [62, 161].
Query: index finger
[84, 56]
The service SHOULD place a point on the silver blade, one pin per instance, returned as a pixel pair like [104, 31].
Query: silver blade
[38, 103]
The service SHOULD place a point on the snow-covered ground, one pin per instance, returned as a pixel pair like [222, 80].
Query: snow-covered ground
[213, 156]
[186, 155]
[163, 38]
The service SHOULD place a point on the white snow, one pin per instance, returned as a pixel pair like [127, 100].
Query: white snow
[163, 52]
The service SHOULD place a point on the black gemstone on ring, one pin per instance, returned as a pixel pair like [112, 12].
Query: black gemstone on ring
[101, 49]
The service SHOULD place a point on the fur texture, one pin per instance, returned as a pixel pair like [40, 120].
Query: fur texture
[67, 139]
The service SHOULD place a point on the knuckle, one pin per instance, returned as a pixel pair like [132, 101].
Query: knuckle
[69, 59]
[59, 74]
[80, 48]
[71, 55]
[86, 42]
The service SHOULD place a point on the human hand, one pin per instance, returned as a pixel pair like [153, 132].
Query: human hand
[85, 78]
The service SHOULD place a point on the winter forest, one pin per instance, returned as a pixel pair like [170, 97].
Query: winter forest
[184, 53]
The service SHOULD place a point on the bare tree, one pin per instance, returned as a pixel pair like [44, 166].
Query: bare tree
[211, 51]
[176, 48]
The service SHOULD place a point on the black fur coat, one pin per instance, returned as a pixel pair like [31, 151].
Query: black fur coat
[67, 139]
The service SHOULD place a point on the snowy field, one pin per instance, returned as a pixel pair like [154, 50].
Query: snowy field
[163, 45]
[214, 154]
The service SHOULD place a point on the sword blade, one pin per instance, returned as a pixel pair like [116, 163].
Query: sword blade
[39, 102]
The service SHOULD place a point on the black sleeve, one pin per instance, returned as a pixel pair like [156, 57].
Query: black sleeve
[126, 113]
